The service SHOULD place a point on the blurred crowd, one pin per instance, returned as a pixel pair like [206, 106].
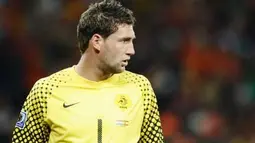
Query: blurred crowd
[198, 54]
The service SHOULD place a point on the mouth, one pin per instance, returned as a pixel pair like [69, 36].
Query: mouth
[124, 62]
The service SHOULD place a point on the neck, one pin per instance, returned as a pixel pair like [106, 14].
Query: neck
[88, 67]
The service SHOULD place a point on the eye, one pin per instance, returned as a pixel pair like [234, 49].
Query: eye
[126, 40]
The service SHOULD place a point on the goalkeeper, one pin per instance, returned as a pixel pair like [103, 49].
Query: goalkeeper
[97, 100]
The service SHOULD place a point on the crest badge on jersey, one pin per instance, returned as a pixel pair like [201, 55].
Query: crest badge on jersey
[123, 101]
[22, 120]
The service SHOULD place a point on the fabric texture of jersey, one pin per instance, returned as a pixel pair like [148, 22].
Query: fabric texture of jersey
[65, 107]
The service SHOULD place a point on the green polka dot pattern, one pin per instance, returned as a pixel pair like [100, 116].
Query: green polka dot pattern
[34, 129]
[151, 131]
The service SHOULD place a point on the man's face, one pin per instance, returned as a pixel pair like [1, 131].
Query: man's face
[117, 49]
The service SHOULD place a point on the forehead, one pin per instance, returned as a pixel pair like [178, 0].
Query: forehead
[124, 31]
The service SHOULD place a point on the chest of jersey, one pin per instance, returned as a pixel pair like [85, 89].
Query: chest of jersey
[96, 115]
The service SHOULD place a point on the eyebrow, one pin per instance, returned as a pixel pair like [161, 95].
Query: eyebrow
[129, 38]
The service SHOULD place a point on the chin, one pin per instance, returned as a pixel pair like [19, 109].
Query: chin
[117, 69]
[120, 69]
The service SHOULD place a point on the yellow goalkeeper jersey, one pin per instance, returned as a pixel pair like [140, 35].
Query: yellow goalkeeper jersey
[67, 108]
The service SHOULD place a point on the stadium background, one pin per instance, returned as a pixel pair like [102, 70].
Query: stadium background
[198, 54]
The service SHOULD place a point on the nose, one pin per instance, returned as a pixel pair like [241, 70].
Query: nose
[131, 50]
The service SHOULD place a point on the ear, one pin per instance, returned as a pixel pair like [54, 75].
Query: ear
[97, 41]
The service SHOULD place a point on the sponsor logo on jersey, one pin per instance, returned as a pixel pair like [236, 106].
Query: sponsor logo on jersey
[22, 120]
[69, 105]
[123, 101]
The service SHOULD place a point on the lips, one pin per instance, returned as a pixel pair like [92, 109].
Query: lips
[125, 62]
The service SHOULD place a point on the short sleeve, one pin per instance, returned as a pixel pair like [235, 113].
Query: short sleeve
[151, 131]
[30, 127]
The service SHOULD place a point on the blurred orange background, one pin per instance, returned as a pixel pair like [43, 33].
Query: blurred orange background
[198, 54]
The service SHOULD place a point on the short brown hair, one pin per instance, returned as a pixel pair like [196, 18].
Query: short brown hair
[102, 18]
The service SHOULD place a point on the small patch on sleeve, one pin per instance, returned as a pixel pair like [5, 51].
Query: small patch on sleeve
[21, 123]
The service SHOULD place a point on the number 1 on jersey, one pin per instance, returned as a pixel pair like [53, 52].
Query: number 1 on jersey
[99, 130]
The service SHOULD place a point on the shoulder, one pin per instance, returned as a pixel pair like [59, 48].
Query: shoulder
[135, 77]
[138, 79]
[53, 80]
